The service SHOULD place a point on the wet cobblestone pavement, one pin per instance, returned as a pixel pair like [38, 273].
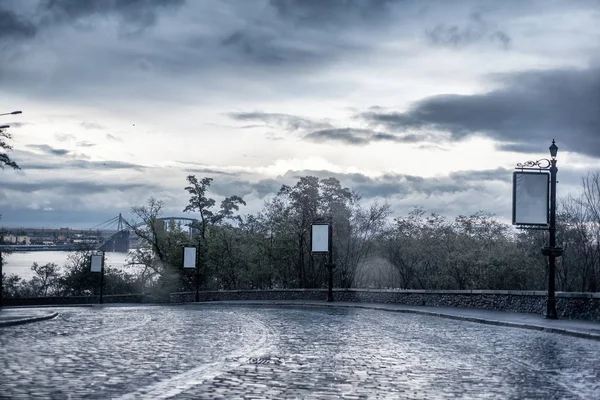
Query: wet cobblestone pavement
[230, 352]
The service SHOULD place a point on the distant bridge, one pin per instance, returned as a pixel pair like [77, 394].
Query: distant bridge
[120, 241]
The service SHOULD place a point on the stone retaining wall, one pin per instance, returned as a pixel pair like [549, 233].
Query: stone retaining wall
[44, 301]
[584, 306]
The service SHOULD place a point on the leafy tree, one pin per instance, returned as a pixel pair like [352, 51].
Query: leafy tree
[46, 278]
[77, 279]
[209, 221]
[11, 285]
[161, 251]
[4, 158]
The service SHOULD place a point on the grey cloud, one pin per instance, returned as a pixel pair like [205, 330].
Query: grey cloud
[85, 144]
[404, 185]
[74, 187]
[332, 12]
[113, 137]
[285, 33]
[240, 187]
[474, 31]
[14, 125]
[529, 110]
[268, 49]
[138, 13]
[206, 171]
[49, 150]
[14, 26]
[285, 121]
[55, 159]
[64, 137]
[361, 136]
[142, 13]
[91, 125]
[84, 164]
[85, 219]
[347, 135]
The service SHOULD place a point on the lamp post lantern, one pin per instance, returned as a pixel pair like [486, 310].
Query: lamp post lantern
[534, 207]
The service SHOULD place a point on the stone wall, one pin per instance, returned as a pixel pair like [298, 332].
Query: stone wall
[569, 305]
[45, 301]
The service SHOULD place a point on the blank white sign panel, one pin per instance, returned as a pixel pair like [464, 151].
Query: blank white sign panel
[530, 198]
[320, 238]
[189, 257]
[96, 263]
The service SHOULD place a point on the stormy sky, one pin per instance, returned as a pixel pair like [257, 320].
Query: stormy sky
[417, 103]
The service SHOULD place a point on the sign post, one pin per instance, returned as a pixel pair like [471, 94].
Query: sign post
[97, 265]
[190, 261]
[534, 207]
[321, 243]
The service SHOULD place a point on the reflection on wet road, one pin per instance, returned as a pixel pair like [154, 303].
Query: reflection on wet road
[190, 352]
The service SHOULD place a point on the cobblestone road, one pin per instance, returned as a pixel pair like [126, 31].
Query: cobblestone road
[210, 352]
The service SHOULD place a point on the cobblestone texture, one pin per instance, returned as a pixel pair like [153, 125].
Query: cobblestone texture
[211, 352]
[585, 306]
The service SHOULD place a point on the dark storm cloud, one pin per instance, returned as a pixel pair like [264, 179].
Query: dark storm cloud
[474, 31]
[206, 171]
[266, 48]
[332, 12]
[133, 10]
[307, 33]
[49, 150]
[139, 13]
[240, 187]
[529, 110]
[74, 187]
[142, 13]
[63, 159]
[15, 26]
[360, 136]
[16, 216]
[83, 164]
[404, 185]
[284, 121]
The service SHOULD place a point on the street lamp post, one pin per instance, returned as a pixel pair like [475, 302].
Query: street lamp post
[551, 251]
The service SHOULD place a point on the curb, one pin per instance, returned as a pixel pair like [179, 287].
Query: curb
[22, 321]
[562, 331]
[47, 306]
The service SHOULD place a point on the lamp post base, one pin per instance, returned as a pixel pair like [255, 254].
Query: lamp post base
[551, 309]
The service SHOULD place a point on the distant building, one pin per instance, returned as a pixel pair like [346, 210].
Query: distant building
[17, 239]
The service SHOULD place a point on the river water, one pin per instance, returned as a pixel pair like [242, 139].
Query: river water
[19, 263]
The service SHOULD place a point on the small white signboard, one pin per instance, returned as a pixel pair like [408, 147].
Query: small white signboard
[530, 198]
[96, 263]
[189, 257]
[320, 238]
